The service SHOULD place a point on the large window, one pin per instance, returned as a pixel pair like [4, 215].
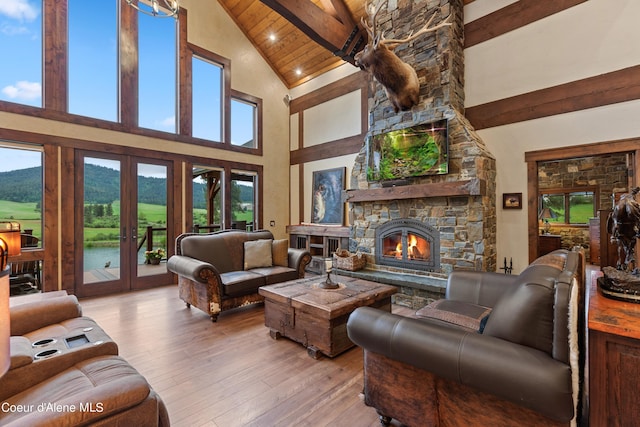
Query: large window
[208, 198]
[21, 46]
[243, 199]
[93, 58]
[21, 190]
[569, 207]
[157, 73]
[207, 95]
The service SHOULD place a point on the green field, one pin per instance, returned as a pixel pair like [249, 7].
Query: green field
[148, 214]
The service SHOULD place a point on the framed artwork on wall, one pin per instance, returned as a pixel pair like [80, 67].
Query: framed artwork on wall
[326, 200]
[511, 200]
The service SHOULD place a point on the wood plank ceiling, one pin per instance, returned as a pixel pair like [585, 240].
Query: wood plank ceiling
[291, 53]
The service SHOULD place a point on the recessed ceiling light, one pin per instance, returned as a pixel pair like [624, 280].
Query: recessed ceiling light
[298, 71]
[272, 37]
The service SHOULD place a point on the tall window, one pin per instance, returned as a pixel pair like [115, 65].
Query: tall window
[569, 207]
[21, 46]
[243, 123]
[207, 95]
[157, 73]
[21, 190]
[93, 58]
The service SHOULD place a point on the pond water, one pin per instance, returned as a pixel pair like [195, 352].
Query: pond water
[97, 258]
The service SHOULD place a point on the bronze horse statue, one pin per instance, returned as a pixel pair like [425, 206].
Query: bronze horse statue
[624, 226]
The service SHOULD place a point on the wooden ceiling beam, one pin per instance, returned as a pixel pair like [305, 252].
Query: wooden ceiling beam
[334, 28]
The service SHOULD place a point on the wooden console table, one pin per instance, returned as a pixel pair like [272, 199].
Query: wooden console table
[548, 243]
[320, 240]
[613, 359]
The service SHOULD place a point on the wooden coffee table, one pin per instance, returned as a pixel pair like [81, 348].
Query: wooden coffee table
[316, 317]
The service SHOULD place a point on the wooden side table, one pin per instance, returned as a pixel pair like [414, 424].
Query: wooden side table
[548, 243]
[613, 359]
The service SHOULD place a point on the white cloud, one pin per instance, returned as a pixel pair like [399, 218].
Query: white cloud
[12, 30]
[18, 9]
[169, 122]
[23, 90]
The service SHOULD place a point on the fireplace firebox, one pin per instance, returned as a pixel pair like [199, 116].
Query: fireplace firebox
[408, 243]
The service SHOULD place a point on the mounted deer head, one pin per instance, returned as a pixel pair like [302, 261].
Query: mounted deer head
[398, 78]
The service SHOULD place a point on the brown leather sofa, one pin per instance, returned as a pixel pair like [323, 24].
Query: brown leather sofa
[214, 274]
[524, 368]
[65, 371]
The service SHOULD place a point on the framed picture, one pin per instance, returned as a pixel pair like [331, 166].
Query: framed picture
[326, 200]
[511, 200]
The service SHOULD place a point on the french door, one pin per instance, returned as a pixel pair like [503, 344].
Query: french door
[123, 217]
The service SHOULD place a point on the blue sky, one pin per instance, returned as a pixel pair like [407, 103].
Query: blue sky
[93, 73]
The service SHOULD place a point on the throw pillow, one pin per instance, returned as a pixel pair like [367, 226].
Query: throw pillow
[280, 252]
[467, 315]
[257, 253]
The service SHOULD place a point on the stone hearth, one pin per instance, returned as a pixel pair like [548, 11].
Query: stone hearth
[460, 205]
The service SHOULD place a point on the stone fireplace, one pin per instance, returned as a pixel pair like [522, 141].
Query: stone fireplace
[454, 212]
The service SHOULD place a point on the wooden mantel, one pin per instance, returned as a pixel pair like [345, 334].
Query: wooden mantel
[469, 187]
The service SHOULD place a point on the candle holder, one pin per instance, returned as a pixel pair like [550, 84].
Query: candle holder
[328, 283]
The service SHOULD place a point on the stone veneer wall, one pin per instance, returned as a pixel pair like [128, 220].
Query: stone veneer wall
[609, 173]
[467, 224]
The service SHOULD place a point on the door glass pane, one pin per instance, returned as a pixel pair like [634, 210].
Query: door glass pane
[157, 90]
[152, 219]
[93, 58]
[101, 220]
[207, 100]
[21, 46]
[243, 197]
[207, 199]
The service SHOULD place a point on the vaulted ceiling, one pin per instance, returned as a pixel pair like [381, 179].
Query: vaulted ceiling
[293, 55]
[301, 39]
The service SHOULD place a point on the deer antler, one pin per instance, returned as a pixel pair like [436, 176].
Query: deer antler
[423, 30]
[372, 14]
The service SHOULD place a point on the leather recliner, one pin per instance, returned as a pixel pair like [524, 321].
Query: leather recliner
[524, 368]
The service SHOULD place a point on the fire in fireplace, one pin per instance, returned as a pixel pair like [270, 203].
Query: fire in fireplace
[408, 243]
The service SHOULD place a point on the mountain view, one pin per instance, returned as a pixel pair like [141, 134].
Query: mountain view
[102, 186]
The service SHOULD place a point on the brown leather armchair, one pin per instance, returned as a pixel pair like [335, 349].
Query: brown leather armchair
[65, 371]
[524, 368]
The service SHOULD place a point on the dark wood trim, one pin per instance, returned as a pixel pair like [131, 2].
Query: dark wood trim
[532, 158]
[470, 187]
[185, 86]
[605, 89]
[51, 204]
[128, 67]
[67, 218]
[328, 150]
[331, 91]
[301, 166]
[55, 55]
[512, 17]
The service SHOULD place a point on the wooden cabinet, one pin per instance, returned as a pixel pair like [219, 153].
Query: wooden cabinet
[613, 360]
[548, 243]
[320, 240]
[601, 251]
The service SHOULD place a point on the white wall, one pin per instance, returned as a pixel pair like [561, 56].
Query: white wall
[592, 38]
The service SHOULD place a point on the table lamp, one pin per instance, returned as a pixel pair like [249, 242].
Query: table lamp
[9, 245]
[546, 214]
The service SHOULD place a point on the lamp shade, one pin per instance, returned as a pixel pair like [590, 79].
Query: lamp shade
[5, 331]
[547, 213]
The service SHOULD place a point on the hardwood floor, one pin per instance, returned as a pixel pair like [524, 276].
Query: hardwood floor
[230, 373]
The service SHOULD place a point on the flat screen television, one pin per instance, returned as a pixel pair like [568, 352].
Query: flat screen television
[411, 152]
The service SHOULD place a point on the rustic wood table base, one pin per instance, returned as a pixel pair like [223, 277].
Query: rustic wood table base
[317, 318]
